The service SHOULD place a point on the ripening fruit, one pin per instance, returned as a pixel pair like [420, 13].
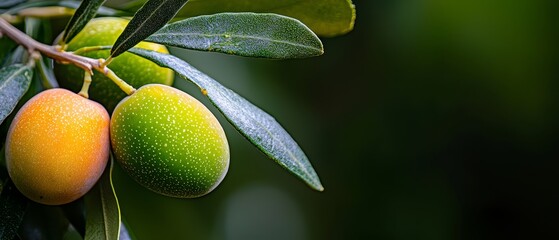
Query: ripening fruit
[135, 70]
[57, 146]
[169, 142]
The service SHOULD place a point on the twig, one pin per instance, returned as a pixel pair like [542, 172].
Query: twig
[31, 45]
[85, 63]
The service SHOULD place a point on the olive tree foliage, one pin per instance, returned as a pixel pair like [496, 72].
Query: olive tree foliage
[249, 28]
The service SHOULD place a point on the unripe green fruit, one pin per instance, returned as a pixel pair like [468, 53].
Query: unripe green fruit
[57, 146]
[169, 142]
[133, 69]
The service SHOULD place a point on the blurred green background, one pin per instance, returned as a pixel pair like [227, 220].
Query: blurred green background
[433, 119]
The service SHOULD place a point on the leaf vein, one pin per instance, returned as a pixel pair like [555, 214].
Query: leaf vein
[10, 77]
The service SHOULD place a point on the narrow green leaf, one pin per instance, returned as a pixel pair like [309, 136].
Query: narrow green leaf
[8, 46]
[3, 171]
[25, 5]
[12, 209]
[14, 82]
[257, 126]
[9, 3]
[43, 222]
[101, 208]
[85, 12]
[245, 34]
[34, 88]
[72, 234]
[325, 17]
[147, 20]
[14, 57]
[32, 27]
[75, 213]
[46, 74]
[102, 11]
[124, 233]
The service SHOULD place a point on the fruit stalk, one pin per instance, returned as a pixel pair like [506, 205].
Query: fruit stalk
[85, 88]
[92, 49]
[119, 82]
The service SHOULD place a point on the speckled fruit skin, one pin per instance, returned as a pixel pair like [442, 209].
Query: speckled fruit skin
[133, 69]
[169, 142]
[57, 146]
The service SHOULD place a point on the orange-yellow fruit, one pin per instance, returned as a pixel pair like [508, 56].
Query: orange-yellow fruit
[57, 146]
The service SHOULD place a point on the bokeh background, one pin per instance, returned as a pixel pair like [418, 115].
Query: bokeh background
[433, 119]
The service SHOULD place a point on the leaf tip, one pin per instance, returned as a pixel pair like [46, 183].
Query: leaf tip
[321, 51]
[353, 16]
[316, 185]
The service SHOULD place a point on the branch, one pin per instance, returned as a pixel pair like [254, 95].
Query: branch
[85, 63]
[21, 38]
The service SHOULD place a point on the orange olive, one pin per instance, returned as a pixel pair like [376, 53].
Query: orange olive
[57, 146]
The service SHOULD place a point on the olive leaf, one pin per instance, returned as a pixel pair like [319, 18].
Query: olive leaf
[257, 126]
[124, 233]
[101, 11]
[33, 28]
[14, 57]
[102, 209]
[4, 176]
[245, 34]
[7, 47]
[43, 222]
[75, 213]
[12, 210]
[153, 15]
[85, 12]
[9, 3]
[46, 74]
[325, 17]
[14, 82]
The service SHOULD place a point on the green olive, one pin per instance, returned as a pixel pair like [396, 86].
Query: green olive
[169, 142]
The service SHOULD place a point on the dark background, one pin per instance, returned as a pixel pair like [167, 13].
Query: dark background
[433, 119]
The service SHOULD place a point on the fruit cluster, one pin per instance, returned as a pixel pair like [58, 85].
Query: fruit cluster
[59, 142]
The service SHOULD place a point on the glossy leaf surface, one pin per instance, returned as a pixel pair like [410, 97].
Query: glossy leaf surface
[245, 34]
